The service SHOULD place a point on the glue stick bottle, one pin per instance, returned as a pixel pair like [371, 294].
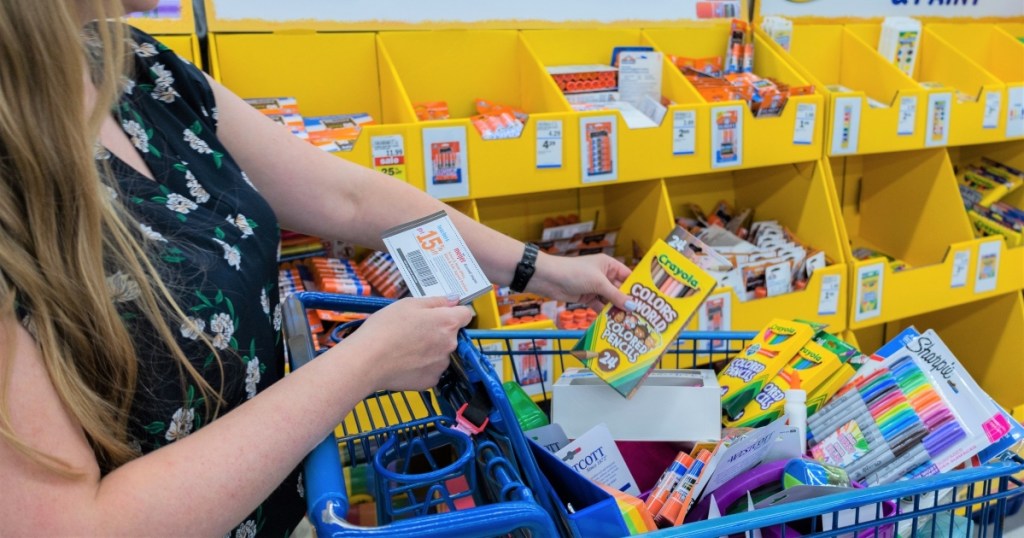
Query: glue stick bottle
[796, 409]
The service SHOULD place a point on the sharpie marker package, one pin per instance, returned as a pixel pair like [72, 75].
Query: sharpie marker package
[622, 347]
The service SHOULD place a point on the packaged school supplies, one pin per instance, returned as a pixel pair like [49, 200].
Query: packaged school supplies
[899, 42]
[779, 29]
[812, 366]
[622, 347]
[747, 373]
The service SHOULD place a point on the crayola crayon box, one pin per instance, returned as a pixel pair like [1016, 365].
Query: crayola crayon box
[623, 347]
[748, 373]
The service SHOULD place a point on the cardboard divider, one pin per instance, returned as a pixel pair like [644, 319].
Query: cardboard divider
[765, 141]
[907, 205]
[828, 55]
[797, 197]
[962, 121]
[641, 153]
[328, 73]
[459, 67]
[186, 46]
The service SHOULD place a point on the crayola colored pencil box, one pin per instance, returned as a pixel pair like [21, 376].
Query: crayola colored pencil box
[748, 373]
[623, 347]
[812, 366]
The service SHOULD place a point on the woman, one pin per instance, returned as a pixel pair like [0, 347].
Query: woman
[140, 372]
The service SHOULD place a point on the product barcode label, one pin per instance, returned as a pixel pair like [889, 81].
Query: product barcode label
[421, 269]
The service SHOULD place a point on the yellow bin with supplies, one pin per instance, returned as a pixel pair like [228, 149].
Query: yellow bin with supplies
[766, 140]
[328, 73]
[872, 107]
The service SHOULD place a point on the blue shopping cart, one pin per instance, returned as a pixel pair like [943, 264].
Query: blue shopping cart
[410, 454]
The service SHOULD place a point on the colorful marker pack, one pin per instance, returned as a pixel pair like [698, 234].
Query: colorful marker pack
[622, 347]
[748, 373]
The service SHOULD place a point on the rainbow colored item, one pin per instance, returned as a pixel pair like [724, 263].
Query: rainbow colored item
[623, 347]
[638, 520]
[766, 355]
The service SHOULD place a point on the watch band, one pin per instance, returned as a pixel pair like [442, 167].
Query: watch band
[525, 268]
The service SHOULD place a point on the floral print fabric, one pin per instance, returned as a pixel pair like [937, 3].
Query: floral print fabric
[216, 240]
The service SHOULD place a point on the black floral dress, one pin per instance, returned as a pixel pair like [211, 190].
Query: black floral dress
[217, 241]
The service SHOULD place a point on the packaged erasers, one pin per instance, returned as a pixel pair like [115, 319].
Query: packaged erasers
[622, 347]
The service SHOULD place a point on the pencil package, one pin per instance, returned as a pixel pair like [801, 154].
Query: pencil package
[622, 347]
[770, 351]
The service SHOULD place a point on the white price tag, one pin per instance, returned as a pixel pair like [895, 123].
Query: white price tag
[993, 104]
[389, 155]
[549, 144]
[846, 125]
[1014, 111]
[908, 116]
[987, 275]
[961, 261]
[828, 300]
[937, 129]
[803, 126]
[434, 260]
[684, 132]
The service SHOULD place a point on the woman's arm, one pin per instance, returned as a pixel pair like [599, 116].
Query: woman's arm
[317, 193]
[204, 484]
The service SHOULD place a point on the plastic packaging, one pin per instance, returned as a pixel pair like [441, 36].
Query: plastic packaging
[801, 472]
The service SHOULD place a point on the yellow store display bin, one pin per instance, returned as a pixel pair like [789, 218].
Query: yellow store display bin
[765, 141]
[907, 206]
[872, 106]
[999, 53]
[797, 197]
[956, 107]
[177, 33]
[986, 336]
[459, 67]
[635, 210]
[1011, 264]
[641, 153]
[328, 73]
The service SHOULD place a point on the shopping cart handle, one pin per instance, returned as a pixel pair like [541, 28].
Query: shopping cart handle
[296, 326]
[479, 522]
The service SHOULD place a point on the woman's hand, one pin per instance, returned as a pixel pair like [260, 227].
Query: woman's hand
[592, 280]
[409, 341]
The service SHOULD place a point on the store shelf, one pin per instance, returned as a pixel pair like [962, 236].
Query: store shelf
[1000, 54]
[797, 197]
[329, 73]
[177, 33]
[939, 62]
[644, 153]
[830, 55]
[765, 141]
[459, 67]
[907, 205]
[986, 336]
[1011, 267]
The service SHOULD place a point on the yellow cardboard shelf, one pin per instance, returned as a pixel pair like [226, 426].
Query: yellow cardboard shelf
[1000, 54]
[641, 153]
[458, 67]
[177, 33]
[797, 197]
[955, 110]
[855, 81]
[765, 141]
[907, 206]
[329, 73]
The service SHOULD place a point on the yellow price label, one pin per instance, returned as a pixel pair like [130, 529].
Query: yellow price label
[395, 171]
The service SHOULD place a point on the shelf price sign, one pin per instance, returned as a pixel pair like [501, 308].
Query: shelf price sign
[549, 144]
[389, 155]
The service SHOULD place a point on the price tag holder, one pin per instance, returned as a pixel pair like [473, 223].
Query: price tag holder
[1014, 111]
[961, 262]
[908, 116]
[549, 144]
[846, 125]
[684, 132]
[987, 274]
[389, 155]
[937, 129]
[828, 300]
[993, 106]
[869, 291]
[803, 125]
[434, 259]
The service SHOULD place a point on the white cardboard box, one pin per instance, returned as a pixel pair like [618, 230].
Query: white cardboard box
[671, 405]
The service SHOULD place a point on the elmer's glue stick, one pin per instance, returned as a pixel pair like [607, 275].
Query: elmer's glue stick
[663, 488]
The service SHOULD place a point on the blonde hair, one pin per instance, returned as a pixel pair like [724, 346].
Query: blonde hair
[60, 229]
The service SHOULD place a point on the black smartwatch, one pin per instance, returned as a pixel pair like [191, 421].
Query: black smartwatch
[525, 269]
